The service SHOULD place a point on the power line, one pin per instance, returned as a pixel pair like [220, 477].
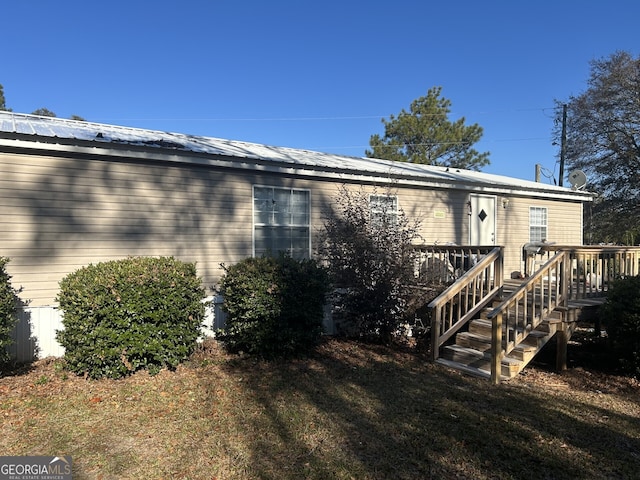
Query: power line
[315, 118]
[247, 119]
[346, 118]
[440, 143]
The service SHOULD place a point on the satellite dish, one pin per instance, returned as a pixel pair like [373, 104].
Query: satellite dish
[577, 179]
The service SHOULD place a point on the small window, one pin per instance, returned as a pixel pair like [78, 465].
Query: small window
[537, 224]
[384, 209]
[281, 221]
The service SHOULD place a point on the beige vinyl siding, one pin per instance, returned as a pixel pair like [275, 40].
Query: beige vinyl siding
[59, 214]
[564, 226]
[443, 214]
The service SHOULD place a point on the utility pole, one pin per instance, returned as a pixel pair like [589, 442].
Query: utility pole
[563, 143]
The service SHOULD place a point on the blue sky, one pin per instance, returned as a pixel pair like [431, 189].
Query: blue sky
[313, 75]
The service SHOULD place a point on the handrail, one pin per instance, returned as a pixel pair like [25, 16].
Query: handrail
[568, 273]
[595, 267]
[467, 296]
[527, 307]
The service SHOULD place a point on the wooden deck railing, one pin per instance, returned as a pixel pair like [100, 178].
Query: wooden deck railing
[568, 273]
[525, 309]
[445, 263]
[593, 268]
[562, 274]
[469, 294]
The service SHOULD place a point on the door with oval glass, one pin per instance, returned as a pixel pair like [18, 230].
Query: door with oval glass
[482, 219]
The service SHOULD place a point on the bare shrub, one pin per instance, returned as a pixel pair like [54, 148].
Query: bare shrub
[367, 247]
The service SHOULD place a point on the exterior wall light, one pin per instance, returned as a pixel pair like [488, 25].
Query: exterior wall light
[505, 202]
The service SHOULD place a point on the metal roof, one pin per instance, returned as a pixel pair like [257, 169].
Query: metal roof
[106, 135]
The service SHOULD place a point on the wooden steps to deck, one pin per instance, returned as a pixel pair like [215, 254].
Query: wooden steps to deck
[566, 287]
[471, 352]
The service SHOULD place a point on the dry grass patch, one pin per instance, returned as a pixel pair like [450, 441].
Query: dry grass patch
[349, 411]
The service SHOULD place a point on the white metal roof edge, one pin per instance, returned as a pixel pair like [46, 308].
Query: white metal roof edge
[111, 139]
[271, 167]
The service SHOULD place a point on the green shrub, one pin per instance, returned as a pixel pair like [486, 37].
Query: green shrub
[126, 315]
[621, 316]
[8, 312]
[274, 306]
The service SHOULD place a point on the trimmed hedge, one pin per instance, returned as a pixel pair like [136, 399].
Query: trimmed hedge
[125, 315]
[274, 306]
[8, 310]
[621, 315]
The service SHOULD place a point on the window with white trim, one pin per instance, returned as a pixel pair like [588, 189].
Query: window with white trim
[384, 209]
[537, 224]
[281, 221]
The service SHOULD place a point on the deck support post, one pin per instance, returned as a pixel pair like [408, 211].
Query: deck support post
[435, 334]
[496, 348]
[562, 334]
[562, 340]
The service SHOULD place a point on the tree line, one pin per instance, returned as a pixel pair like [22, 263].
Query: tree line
[43, 111]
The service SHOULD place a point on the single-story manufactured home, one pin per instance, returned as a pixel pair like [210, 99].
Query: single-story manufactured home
[74, 193]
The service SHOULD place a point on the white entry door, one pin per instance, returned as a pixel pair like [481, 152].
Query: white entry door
[482, 220]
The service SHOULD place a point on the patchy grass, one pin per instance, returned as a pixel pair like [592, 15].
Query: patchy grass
[350, 411]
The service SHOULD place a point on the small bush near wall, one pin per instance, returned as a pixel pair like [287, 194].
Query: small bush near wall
[621, 316]
[126, 315]
[274, 306]
[8, 312]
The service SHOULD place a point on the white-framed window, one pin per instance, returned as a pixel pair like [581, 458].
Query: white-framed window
[384, 209]
[281, 221]
[537, 224]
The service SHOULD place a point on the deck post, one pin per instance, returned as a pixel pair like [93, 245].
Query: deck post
[435, 333]
[562, 340]
[499, 272]
[496, 348]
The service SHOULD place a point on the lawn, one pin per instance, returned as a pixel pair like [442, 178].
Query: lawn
[350, 411]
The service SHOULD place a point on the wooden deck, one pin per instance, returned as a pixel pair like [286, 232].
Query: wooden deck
[493, 327]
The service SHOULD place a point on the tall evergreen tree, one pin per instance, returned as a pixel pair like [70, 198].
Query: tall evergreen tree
[425, 135]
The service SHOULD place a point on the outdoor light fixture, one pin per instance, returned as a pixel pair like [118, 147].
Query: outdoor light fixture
[505, 202]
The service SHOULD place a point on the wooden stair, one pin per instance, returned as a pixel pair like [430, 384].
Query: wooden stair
[471, 352]
[529, 311]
